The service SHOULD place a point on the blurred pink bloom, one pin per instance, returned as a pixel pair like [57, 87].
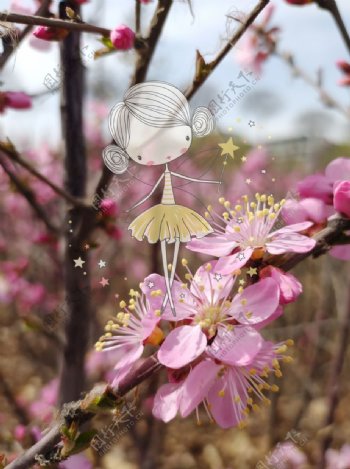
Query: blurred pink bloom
[320, 186]
[225, 386]
[288, 456]
[20, 432]
[109, 208]
[14, 100]
[338, 459]
[48, 33]
[345, 68]
[247, 232]
[290, 287]
[134, 325]
[341, 252]
[309, 209]
[114, 232]
[258, 43]
[77, 461]
[342, 197]
[122, 37]
[43, 408]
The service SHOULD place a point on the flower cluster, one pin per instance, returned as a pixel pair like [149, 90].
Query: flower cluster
[213, 349]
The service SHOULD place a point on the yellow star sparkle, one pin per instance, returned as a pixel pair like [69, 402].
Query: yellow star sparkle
[242, 282]
[248, 180]
[228, 148]
[252, 271]
[244, 159]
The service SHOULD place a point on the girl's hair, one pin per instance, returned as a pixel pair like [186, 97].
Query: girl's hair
[154, 103]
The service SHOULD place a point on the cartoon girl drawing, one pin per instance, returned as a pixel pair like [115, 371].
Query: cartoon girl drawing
[153, 126]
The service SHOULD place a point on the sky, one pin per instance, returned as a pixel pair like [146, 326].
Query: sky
[307, 32]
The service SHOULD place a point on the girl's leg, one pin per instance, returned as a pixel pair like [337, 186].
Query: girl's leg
[163, 245]
[173, 269]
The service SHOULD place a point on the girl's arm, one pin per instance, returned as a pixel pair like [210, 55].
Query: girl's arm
[194, 179]
[148, 195]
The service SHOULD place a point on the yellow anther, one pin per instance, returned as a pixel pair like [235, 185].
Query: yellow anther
[157, 312]
[170, 266]
[257, 196]
[238, 208]
[270, 200]
[256, 408]
[227, 204]
[263, 198]
[278, 373]
[207, 214]
[237, 399]
[226, 216]
[221, 393]
[122, 304]
[210, 208]
[242, 424]
[108, 334]
[108, 328]
[250, 401]
[132, 307]
[188, 276]
[252, 371]
[245, 198]
[282, 349]
[184, 262]
[208, 267]
[289, 342]
[237, 229]
[266, 401]
[240, 289]
[222, 200]
[253, 204]
[276, 207]
[287, 359]
[275, 363]
[233, 213]
[282, 202]
[243, 301]
[274, 388]
[131, 301]
[272, 216]
[120, 316]
[184, 285]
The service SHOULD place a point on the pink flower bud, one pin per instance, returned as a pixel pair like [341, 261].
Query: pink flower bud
[341, 199]
[48, 33]
[109, 208]
[122, 37]
[290, 287]
[343, 66]
[20, 432]
[15, 100]
[299, 2]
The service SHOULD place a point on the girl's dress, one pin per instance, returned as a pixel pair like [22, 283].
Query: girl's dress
[169, 221]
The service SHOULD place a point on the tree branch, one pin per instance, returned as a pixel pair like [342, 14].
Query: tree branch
[29, 195]
[54, 23]
[332, 7]
[9, 149]
[146, 51]
[77, 284]
[43, 10]
[204, 70]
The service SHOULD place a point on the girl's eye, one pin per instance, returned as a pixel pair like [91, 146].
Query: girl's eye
[187, 138]
[139, 157]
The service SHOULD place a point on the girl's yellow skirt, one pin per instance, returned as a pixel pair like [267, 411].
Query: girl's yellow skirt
[169, 222]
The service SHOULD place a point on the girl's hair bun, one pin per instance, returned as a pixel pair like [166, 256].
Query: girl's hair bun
[116, 159]
[202, 122]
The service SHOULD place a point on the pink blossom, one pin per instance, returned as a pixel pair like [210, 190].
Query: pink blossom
[345, 68]
[211, 317]
[342, 197]
[133, 326]
[309, 209]
[44, 407]
[48, 33]
[77, 461]
[109, 208]
[225, 386]
[341, 252]
[20, 432]
[14, 100]
[288, 456]
[122, 37]
[290, 287]
[338, 459]
[247, 232]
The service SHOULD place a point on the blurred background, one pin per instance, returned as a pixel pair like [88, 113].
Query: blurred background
[284, 131]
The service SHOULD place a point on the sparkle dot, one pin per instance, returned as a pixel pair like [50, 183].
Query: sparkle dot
[84, 273]
[125, 278]
[70, 231]
[229, 129]
[273, 180]
[269, 137]
[69, 245]
[70, 221]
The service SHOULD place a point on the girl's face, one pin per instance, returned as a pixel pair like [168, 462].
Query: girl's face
[157, 145]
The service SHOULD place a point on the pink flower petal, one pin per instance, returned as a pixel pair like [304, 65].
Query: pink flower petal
[213, 245]
[289, 286]
[294, 228]
[293, 242]
[237, 347]
[131, 354]
[275, 315]
[197, 385]
[341, 252]
[261, 300]
[182, 346]
[229, 264]
[338, 169]
[167, 401]
[226, 412]
[216, 286]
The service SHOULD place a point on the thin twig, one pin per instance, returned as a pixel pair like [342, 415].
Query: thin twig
[137, 16]
[326, 98]
[43, 10]
[206, 69]
[54, 23]
[29, 195]
[12, 153]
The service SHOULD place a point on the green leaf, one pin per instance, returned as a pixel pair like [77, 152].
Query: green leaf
[107, 42]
